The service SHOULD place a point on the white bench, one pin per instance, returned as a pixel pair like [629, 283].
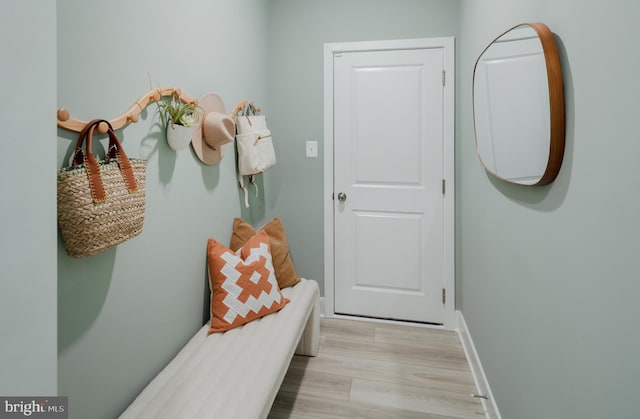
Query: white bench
[236, 374]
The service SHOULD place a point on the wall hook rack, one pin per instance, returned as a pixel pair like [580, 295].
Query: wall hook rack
[132, 115]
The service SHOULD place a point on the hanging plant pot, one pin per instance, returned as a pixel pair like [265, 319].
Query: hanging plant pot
[178, 136]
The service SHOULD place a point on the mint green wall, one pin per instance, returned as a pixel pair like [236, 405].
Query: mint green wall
[28, 330]
[298, 29]
[125, 312]
[548, 277]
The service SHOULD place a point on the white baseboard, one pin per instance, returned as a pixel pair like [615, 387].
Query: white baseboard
[482, 384]
[323, 309]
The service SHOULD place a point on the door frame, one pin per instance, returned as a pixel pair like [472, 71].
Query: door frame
[330, 50]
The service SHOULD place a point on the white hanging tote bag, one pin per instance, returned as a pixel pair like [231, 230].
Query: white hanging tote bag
[255, 147]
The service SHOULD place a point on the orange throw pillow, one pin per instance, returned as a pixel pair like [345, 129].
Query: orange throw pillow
[285, 271]
[243, 286]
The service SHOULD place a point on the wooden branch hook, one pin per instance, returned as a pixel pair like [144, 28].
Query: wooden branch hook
[131, 115]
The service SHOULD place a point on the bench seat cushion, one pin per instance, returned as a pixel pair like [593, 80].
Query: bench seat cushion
[235, 374]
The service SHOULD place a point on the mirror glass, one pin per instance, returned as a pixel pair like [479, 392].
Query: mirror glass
[518, 106]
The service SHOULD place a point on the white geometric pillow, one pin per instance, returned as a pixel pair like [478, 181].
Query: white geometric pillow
[244, 285]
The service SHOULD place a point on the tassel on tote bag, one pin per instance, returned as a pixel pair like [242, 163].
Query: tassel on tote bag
[100, 203]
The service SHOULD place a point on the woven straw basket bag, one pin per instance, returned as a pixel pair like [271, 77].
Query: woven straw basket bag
[100, 203]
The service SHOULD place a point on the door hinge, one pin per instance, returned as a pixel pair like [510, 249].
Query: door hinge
[444, 296]
[443, 186]
[444, 78]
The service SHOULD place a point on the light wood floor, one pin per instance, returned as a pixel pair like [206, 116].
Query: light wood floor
[372, 370]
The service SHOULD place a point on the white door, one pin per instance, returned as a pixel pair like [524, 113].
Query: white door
[388, 211]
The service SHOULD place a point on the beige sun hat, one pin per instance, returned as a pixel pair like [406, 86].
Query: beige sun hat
[213, 131]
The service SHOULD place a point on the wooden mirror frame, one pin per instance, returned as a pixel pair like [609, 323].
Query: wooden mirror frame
[556, 103]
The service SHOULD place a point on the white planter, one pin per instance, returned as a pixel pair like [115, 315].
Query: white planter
[178, 136]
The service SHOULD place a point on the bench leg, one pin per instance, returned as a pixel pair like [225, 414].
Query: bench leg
[310, 341]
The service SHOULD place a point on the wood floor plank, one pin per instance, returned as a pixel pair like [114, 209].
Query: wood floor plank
[414, 336]
[291, 406]
[309, 381]
[418, 375]
[400, 353]
[415, 398]
[373, 371]
[348, 329]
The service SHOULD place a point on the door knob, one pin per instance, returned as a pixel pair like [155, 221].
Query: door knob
[342, 197]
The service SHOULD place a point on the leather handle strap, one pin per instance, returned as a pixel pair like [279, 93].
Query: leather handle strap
[92, 165]
[96, 186]
[78, 154]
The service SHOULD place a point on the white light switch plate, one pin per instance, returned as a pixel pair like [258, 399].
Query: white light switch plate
[312, 149]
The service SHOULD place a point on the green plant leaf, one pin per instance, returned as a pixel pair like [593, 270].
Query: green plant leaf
[174, 111]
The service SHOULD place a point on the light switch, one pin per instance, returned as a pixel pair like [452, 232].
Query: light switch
[312, 149]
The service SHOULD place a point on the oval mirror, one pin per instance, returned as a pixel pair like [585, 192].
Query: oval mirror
[518, 106]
